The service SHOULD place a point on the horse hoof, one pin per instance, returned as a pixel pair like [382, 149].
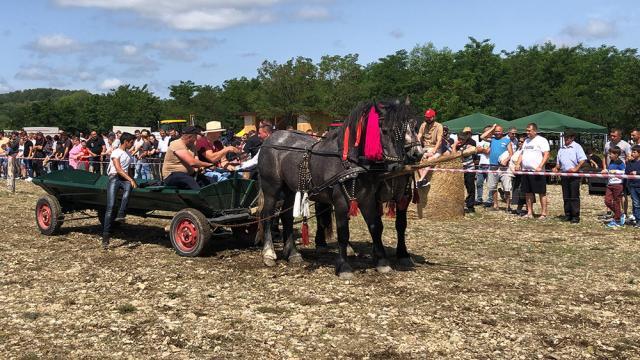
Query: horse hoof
[296, 259]
[346, 275]
[406, 262]
[383, 269]
[269, 262]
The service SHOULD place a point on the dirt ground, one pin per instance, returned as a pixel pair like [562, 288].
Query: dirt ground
[491, 286]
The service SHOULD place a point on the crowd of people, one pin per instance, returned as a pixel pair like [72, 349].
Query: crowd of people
[196, 157]
[502, 156]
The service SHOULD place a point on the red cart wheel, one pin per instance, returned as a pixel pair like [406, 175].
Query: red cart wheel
[189, 232]
[49, 216]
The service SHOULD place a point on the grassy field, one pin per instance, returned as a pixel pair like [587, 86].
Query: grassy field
[491, 286]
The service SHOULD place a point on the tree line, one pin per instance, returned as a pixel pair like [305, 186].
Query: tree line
[597, 84]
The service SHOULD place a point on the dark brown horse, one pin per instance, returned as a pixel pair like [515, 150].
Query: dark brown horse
[330, 170]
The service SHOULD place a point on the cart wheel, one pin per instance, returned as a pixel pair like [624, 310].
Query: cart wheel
[189, 232]
[49, 216]
[245, 234]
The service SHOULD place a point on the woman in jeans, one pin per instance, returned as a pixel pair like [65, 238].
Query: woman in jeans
[118, 179]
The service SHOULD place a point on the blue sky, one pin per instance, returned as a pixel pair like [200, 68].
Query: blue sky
[98, 44]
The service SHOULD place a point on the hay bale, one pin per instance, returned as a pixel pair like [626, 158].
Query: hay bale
[443, 199]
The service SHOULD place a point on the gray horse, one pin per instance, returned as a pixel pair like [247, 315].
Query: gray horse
[331, 170]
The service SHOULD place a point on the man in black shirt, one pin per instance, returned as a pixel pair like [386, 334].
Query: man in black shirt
[96, 146]
[27, 155]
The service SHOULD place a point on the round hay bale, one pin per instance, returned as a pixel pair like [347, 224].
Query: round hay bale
[443, 199]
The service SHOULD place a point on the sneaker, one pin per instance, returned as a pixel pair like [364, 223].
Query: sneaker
[623, 219]
[105, 241]
[488, 205]
[479, 202]
[613, 224]
[637, 225]
[119, 219]
[575, 221]
[28, 179]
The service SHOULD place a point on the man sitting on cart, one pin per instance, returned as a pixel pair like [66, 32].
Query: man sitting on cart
[180, 162]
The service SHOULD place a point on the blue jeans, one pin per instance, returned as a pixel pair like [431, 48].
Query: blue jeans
[145, 171]
[28, 165]
[480, 179]
[217, 175]
[635, 198]
[182, 181]
[3, 165]
[115, 184]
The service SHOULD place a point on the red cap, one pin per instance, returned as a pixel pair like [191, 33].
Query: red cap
[430, 113]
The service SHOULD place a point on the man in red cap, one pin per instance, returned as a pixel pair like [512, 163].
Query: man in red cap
[430, 135]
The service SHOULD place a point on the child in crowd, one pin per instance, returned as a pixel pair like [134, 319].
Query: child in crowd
[633, 168]
[613, 196]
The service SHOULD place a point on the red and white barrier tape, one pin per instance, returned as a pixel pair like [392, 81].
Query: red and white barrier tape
[544, 173]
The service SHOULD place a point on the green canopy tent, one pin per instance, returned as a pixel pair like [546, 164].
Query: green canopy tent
[476, 122]
[552, 122]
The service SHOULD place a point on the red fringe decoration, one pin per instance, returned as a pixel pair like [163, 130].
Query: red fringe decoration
[416, 196]
[359, 131]
[391, 209]
[345, 145]
[353, 208]
[372, 144]
[403, 204]
[305, 234]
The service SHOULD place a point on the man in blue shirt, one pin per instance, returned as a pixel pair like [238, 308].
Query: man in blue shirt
[570, 159]
[498, 160]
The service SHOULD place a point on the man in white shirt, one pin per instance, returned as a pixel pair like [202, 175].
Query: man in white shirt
[483, 149]
[163, 143]
[535, 153]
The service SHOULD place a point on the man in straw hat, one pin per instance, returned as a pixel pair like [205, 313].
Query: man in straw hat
[210, 149]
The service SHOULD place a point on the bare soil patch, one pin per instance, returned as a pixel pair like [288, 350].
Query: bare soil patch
[489, 286]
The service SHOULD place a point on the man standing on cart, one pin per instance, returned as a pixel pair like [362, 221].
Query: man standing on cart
[119, 178]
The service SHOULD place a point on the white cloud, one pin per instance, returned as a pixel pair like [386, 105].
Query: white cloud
[5, 87]
[129, 50]
[190, 14]
[313, 13]
[594, 29]
[54, 43]
[109, 84]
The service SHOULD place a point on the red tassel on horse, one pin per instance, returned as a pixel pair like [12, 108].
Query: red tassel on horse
[305, 234]
[391, 209]
[372, 143]
[345, 144]
[353, 208]
[359, 131]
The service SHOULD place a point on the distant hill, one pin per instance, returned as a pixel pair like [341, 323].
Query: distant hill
[33, 95]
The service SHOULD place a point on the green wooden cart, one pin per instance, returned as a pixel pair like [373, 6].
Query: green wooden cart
[196, 212]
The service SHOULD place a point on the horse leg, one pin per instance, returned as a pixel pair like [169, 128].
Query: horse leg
[343, 269]
[374, 223]
[404, 259]
[269, 256]
[323, 222]
[290, 250]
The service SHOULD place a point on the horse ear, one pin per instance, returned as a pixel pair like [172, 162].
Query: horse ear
[407, 101]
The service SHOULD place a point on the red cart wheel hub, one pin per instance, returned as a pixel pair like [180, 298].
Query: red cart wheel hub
[44, 216]
[186, 235]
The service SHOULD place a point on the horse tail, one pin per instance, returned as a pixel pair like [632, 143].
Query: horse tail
[260, 205]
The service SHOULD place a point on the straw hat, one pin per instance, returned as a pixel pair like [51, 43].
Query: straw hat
[214, 126]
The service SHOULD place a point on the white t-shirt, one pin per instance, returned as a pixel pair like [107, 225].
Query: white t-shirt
[163, 144]
[532, 152]
[484, 158]
[125, 161]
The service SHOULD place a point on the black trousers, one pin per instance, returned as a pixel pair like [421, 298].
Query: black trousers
[571, 196]
[470, 185]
